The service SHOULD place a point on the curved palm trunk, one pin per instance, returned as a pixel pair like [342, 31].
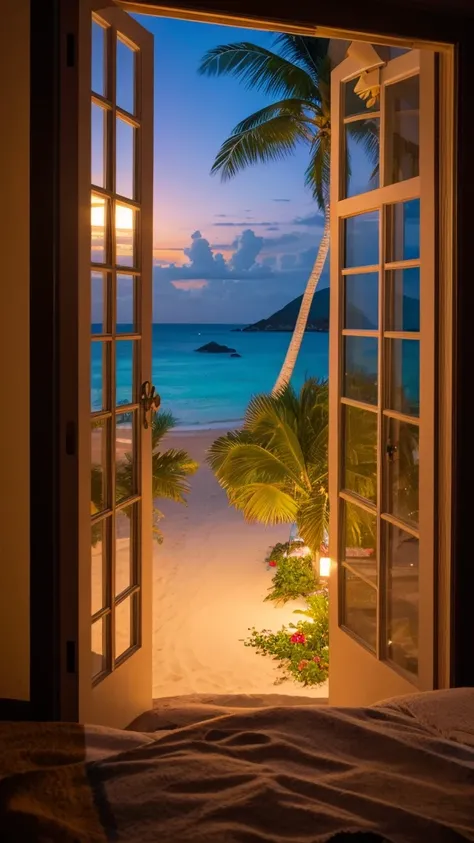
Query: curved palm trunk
[298, 333]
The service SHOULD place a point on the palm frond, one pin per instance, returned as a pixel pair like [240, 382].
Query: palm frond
[170, 471]
[258, 68]
[312, 519]
[162, 423]
[266, 504]
[318, 171]
[220, 449]
[271, 141]
[305, 51]
[246, 463]
[300, 110]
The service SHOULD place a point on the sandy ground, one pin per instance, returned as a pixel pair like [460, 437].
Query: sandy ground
[209, 583]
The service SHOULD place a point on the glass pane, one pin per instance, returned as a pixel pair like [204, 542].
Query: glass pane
[360, 369]
[360, 540]
[99, 553]
[125, 93]
[361, 240]
[100, 463]
[403, 469]
[125, 546]
[100, 376]
[403, 231]
[98, 58]
[126, 391]
[98, 303]
[125, 468]
[360, 452]
[99, 638]
[125, 304]
[124, 625]
[403, 366]
[402, 599]
[125, 164]
[402, 105]
[98, 146]
[403, 300]
[362, 156]
[354, 104]
[361, 301]
[360, 608]
[125, 235]
[98, 229]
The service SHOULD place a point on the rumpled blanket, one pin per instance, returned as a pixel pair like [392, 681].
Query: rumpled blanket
[402, 771]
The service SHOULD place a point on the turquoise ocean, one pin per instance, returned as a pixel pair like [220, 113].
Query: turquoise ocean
[213, 390]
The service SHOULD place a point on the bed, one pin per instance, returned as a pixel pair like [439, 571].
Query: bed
[401, 771]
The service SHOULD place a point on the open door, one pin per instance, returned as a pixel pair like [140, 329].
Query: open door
[105, 314]
[382, 375]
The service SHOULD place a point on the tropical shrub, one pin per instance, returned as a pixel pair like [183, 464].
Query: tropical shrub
[301, 648]
[170, 472]
[294, 575]
[275, 468]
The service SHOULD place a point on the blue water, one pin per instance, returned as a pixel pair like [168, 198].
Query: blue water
[214, 389]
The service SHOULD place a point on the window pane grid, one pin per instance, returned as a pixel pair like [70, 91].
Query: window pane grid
[115, 224]
[385, 413]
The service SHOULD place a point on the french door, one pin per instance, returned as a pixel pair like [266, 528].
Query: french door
[105, 316]
[382, 375]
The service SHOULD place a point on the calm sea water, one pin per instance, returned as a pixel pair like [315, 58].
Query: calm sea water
[214, 389]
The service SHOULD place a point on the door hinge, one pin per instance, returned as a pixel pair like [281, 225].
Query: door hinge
[70, 656]
[70, 439]
[70, 50]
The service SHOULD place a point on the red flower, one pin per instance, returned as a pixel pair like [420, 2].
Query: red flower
[272, 563]
[317, 659]
[303, 663]
[298, 638]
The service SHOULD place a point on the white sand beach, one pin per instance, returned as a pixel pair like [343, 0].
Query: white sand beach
[209, 584]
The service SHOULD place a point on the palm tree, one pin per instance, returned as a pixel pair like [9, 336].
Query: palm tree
[170, 472]
[299, 77]
[275, 469]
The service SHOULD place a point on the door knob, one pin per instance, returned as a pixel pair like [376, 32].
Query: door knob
[150, 401]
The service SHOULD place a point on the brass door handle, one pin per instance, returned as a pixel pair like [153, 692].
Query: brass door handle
[150, 401]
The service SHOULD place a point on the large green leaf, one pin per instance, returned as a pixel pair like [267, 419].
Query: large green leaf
[258, 68]
[304, 51]
[271, 141]
[246, 463]
[170, 471]
[266, 504]
[312, 519]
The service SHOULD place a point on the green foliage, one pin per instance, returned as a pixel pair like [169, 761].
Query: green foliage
[298, 73]
[275, 468]
[294, 576]
[170, 472]
[302, 649]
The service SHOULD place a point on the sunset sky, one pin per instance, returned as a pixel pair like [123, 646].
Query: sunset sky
[246, 246]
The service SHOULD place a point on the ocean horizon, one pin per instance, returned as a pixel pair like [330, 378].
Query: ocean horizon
[211, 391]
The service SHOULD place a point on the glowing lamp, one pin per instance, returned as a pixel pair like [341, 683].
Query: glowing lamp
[324, 567]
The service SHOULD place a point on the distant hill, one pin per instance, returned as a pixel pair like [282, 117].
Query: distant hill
[284, 319]
[318, 320]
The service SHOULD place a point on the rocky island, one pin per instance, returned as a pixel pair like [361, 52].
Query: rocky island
[215, 348]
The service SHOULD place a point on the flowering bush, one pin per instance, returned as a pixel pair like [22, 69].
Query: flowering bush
[294, 576]
[301, 648]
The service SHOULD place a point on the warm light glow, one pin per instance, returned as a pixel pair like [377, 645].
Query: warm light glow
[324, 567]
[97, 212]
[123, 218]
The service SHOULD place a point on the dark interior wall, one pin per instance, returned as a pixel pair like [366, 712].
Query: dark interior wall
[14, 352]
